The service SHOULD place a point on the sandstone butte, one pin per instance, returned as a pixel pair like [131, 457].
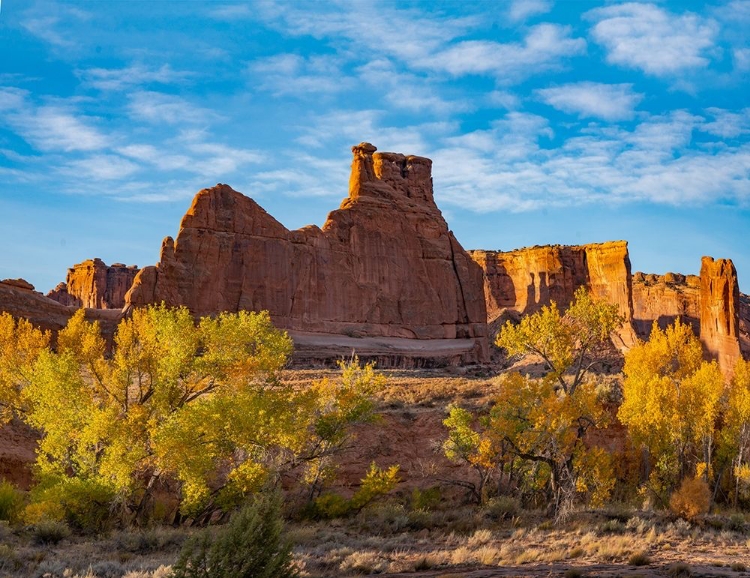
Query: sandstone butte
[384, 265]
[93, 284]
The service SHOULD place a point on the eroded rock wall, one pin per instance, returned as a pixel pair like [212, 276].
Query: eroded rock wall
[664, 298]
[527, 279]
[383, 264]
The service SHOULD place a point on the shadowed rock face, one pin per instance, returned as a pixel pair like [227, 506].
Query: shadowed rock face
[720, 311]
[384, 264]
[527, 279]
[93, 284]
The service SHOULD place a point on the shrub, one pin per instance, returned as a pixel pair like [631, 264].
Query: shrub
[427, 499]
[502, 508]
[679, 570]
[738, 566]
[639, 559]
[250, 546]
[49, 532]
[8, 558]
[691, 499]
[11, 501]
[84, 504]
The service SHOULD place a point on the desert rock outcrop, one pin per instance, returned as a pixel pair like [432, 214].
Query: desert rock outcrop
[93, 284]
[664, 298]
[527, 279]
[383, 265]
[720, 311]
[19, 298]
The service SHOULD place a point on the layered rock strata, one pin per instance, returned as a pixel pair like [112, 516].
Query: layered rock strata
[383, 265]
[94, 284]
[527, 279]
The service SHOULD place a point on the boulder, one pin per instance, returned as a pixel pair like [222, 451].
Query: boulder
[383, 265]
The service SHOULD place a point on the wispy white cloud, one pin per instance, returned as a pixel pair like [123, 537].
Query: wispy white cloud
[647, 37]
[50, 22]
[610, 102]
[291, 74]
[409, 91]
[544, 48]
[130, 76]
[57, 128]
[728, 124]
[161, 108]
[522, 9]
[103, 167]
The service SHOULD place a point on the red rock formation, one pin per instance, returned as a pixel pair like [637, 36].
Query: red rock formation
[61, 295]
[720, 308]
[664, 298]
[94, 285]
[384, 264]
[745, 325]
[527, 279]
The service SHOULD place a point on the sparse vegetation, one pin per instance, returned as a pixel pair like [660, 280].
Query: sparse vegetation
[390, 518]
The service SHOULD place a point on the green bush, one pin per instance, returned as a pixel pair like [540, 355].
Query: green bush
[11, 502]
[250, 546]
[49, 532]
[427, 499]
[501, 508]
[85, 504]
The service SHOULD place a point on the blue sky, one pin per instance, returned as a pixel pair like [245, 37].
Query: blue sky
[548, 122]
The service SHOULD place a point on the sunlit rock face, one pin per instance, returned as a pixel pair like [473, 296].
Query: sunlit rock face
[383, 264]
[720, 311]
[527, 279]
[94, 284]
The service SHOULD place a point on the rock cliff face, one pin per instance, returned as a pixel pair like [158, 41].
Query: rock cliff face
[384, 264]
[720, 311]
[527, 279]
[664, 298]
[93, 284]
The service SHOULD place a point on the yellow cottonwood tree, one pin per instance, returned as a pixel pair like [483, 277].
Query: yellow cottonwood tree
[736, 431]
[565, 342]
[672, 400]
[538, 422]
[20, 346]
[100, 415]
